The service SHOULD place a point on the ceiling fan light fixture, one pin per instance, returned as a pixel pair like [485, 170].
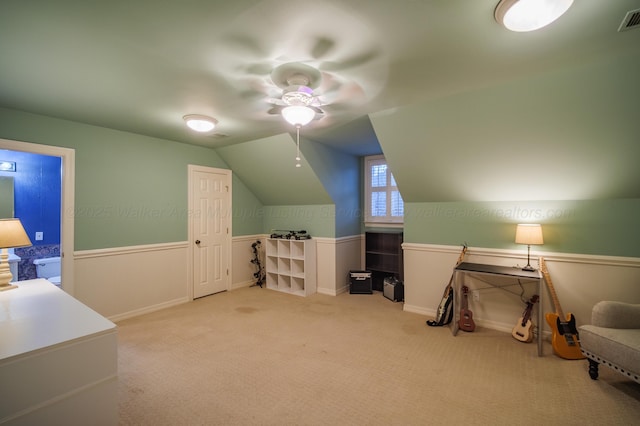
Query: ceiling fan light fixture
[200, 123]
[297, 95]
[298, 115]
[529, 15]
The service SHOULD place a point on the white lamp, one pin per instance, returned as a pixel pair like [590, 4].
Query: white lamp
[200, 123]
[529, 15]
[11, 235]
[529, 233]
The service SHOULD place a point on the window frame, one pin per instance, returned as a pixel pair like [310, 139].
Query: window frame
[388, 220]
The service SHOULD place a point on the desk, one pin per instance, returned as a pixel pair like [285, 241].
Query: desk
[484, 273]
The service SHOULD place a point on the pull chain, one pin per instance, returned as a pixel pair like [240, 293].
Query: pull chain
[298, 146]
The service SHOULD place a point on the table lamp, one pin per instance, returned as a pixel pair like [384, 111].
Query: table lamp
[12, 234]
[529, 233]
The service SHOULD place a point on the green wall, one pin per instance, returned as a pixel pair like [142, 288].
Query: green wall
[317, 220]
[129, 189]
[598, 227]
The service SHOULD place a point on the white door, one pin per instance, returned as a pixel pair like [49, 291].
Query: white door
[210, 224]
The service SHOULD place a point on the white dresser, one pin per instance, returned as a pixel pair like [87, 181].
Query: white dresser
[58, 359]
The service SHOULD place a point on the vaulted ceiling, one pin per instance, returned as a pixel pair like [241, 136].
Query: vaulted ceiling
[140, 66]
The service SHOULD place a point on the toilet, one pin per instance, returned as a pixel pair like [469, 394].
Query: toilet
[49, 268]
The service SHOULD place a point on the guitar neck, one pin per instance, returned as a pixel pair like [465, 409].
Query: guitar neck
[462, 253]
[465, 302]
[552, 290]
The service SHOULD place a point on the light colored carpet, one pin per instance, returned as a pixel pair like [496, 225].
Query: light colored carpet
[254, 356]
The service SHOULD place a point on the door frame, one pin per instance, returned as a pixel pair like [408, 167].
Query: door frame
[67, 202]
[191, 168]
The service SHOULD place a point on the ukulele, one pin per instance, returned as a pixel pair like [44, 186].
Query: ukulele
[564, 335]
[466, 316]
[523, 329]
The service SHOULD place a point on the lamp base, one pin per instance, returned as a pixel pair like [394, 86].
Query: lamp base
[529, 268]
[5, 272]
[5, 287]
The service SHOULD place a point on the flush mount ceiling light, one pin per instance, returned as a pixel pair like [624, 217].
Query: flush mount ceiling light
[200, 123]
[529, 15]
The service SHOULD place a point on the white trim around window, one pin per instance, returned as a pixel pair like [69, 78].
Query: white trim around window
[383, 202]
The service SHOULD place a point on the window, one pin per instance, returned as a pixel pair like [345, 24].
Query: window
[383, 200]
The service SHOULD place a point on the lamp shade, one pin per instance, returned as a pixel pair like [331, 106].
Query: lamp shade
[529, 233]
[529, 15]
[298, 115]
[12, 234]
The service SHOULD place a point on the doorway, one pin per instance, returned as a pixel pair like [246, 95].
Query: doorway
[209, 230]
[67, 202]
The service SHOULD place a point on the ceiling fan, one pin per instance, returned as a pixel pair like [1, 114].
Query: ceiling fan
[297, 81]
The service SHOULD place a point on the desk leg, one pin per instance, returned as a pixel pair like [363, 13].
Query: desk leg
[540, 318]
[456, 294]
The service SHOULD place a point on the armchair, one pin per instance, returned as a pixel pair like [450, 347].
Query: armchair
[613, 338]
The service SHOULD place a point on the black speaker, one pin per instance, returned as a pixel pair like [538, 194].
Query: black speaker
[360, 282]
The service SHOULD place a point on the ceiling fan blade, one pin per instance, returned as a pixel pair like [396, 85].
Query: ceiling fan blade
[275, 101]
[322, 46]
[276, 109]
[352, 62]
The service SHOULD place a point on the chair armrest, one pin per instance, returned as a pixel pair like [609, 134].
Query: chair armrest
[611, 314]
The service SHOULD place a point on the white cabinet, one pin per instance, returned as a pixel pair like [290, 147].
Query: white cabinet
[291, 266]
[58, 359]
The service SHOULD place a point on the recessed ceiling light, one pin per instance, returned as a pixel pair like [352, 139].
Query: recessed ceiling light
[529, 15]
[200, 123]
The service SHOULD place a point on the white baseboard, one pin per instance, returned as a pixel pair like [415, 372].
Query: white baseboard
[148, 309]
[243, 284]
[327, 291]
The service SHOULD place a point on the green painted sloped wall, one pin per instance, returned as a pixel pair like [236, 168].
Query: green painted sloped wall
[567, 135]
[130, 189]
[268, 167]
[472, 165]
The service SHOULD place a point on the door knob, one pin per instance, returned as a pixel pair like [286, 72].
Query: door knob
[197, 241]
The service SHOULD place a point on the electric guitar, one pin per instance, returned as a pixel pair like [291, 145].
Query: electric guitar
[523, 330]
[445, 313]
[564, 334]
[466, 316]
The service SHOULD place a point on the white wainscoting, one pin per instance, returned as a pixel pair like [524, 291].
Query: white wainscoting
[124, 282]
[336, 257]
[580, 281]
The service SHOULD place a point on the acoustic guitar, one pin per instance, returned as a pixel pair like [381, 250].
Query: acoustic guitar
[564, 334]
[523, 330]
[466, 316]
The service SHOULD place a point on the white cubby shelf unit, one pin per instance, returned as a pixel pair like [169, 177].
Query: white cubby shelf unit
[291, 266]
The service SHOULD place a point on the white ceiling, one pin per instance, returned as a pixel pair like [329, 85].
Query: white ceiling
[140, 66]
